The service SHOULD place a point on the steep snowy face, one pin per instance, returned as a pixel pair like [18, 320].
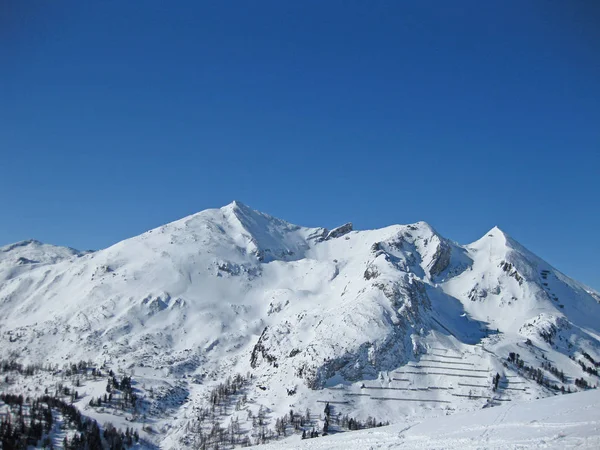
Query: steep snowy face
[350, 308]
[511, 288]
[267, 237]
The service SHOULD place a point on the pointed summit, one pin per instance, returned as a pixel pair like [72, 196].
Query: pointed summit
[502, 238]
[247, 217]
[497, 233]
[268, 237]
[236, 204]
[495, 229]
[495, 236]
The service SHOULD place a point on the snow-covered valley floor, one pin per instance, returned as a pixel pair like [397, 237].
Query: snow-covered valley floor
[568, 421]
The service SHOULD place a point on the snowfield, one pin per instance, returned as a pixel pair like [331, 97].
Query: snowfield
[234, 320]
[554, 423]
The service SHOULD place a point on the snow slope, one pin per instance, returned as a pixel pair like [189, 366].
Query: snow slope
[313, 315]
[555, 423]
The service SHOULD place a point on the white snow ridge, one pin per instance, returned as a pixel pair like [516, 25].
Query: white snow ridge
[238, 328]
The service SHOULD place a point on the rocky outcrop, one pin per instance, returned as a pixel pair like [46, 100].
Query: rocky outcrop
[511, 271]
[371, 272]
[260, 351]
[440, 259]
[339, 231]
[409, 299]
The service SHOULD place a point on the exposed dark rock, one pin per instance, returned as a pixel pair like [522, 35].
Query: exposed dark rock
[441, 259]
[340, 231]
[260, 351]
[319, 235]
[371, 273]
[23, 260]
[511, 271]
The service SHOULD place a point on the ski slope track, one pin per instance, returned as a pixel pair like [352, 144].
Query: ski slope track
[398, 324]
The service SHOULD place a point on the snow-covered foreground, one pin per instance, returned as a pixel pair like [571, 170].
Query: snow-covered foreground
[571, 421]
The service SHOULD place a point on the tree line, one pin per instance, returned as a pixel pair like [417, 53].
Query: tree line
[30, 423]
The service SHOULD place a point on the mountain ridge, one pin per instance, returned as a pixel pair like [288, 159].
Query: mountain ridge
[307, 312]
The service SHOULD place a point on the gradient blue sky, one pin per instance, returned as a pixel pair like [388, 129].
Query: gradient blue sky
[119, 116]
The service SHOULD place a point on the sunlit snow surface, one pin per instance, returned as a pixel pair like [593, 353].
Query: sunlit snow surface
[571, 421]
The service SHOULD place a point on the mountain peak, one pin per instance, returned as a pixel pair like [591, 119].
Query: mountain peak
[236, 204]
[426, 227]
[501, 237]
[496, 232]
[268, 237]
[244, 214]
[25, 243]
[32, 251]
[494, 236]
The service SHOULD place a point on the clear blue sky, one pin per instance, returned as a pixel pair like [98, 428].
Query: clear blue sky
[119, 116]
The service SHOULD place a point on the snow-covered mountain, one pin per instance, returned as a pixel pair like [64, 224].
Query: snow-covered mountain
[385, 323]
[22, 256]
